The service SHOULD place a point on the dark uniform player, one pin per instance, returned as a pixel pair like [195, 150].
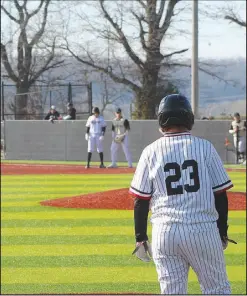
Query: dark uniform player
[53, 114]
[182, 179]
[238, 130]
[71, 112]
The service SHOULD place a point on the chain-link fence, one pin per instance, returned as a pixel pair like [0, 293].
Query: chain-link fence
[40, 98]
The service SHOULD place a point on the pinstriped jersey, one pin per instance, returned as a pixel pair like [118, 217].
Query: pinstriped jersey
[179, 173]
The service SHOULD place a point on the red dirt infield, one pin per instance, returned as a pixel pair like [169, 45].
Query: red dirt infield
[56, 169]
[121, 200]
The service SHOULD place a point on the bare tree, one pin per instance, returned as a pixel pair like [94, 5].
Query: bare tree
[30, 66]
[111, 95]
[154, 20]
[234, 17]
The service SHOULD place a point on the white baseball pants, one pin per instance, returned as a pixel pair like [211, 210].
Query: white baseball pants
[95, 141]
[241, 144]
[178, 247]
[125, 146]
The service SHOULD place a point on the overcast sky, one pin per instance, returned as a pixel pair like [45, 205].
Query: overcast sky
[217, 38]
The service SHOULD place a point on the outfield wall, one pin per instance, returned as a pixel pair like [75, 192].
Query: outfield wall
[65, 140]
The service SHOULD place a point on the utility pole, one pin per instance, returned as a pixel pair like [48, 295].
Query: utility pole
[194, 61]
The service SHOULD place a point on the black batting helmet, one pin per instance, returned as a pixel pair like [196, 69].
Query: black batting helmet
[96, 110]
[175, 110]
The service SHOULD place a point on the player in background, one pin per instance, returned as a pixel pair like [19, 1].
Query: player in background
[71, 112]
[95, 132]
[52, 115]
[182, 179]
[238, 130]
[120, 131]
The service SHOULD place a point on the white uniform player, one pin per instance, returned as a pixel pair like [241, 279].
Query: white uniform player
[96, 127]
[182, 180]
[238, 130]
[120, 130]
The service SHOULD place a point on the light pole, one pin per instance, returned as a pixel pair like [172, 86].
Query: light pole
[194, 61]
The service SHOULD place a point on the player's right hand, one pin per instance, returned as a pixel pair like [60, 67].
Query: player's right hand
[225, 241]
[143, 251]
[86, 137]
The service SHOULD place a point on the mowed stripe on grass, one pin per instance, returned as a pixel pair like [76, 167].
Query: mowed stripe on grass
[87, 249]
[89, 236]
[232, 259]
[87, 275]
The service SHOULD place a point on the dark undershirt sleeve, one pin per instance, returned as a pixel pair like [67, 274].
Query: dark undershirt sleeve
[141, 209]
[221, 205]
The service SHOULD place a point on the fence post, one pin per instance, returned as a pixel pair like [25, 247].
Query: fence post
[90, 97]
[50, 98]
[15, 107]
[2, 100]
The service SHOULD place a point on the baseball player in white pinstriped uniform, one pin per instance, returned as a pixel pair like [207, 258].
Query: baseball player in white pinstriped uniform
[182, 180]
[96, 127]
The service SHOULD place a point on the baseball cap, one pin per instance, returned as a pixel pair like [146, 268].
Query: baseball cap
[236, 114]
[53, 107]
[118, 110]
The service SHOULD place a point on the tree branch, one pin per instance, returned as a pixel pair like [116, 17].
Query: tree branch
[142, 4]
[107, 71]
[46, 66]
[122, 37]
[175, 52]
[9, 15]
[7, 65]
[36, 10]
[169, 14]
[38, 35]
[17, 5]
[161, 10]
[200, 68]
[235, 20]
[142, 32]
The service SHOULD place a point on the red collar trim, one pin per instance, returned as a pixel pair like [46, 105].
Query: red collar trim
[177, 134]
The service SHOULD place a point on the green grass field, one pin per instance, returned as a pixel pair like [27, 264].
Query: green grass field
[54, 250]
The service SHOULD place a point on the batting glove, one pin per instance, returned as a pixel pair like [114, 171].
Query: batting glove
[143, 251]
[86, 137]
[225, 241]
[224, 238]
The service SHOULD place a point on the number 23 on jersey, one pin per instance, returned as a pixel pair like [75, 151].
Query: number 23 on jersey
[192, 186]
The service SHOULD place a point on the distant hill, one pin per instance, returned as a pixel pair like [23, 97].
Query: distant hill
[215, 96]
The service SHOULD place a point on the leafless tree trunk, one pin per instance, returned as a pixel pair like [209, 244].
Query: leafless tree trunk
[154, 19]
[27, 69]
